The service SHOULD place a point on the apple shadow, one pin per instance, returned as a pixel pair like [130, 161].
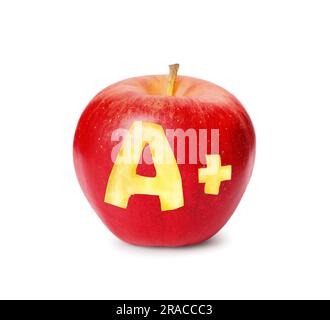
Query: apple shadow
[217, 241]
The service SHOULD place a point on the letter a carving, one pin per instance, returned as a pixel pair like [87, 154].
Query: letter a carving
[124, 181]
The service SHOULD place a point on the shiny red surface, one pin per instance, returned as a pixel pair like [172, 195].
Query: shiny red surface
[198, 105]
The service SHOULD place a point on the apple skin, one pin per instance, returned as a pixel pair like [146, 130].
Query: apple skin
[196, 104]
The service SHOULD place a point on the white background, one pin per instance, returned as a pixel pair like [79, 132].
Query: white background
[273, 55]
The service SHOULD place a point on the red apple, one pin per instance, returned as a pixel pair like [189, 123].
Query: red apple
[164, 204]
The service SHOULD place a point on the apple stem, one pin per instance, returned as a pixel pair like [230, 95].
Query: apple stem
[171, 79]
